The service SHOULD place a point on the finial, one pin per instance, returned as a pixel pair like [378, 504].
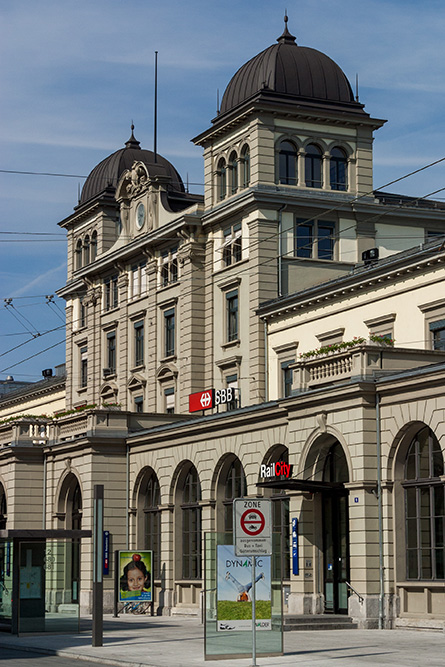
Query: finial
[286, 37]
[132, 142]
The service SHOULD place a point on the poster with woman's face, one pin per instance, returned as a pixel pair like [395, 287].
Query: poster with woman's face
[135, 576]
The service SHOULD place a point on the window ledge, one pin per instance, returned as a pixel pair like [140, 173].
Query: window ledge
[137, 369]
[231, 343]
[166, 360]
[224, 269]
[82, 390]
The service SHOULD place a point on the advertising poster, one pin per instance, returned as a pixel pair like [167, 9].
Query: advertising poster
[135, 576]
[234, 603]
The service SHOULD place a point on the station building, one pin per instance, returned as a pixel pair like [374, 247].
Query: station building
[315, 299]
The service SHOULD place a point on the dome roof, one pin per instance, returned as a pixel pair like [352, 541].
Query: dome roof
[108, 172]
[290, 70]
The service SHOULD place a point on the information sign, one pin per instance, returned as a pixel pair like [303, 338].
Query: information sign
[210, 398]
[252, 519]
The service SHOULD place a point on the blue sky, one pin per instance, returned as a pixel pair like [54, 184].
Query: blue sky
[74, 76]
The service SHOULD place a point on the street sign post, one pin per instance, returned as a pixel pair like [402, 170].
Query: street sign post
[252, 519]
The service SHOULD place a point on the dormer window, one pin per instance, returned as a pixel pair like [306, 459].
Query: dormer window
[287, 164]
[313, 167]
[338, 169]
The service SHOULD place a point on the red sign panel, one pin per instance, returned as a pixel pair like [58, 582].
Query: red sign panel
[202, 400]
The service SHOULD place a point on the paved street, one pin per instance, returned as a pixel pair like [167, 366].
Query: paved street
[178, 642]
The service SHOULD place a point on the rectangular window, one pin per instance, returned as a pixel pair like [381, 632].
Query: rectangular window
[437, 330]
[83, 366]
[169, 397]
[325, 238]
[287, 378]
[139, 404]
[138, 280]
[303, 239]
[82, 314]
[314, 239]
[138, 343]
[232, 245]
[111, 293]
[169, 266]
[232, 383]
[111, 352]
[232, 315]
[169, 332]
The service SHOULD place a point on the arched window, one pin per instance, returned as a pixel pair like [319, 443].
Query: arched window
[222, 179]
[78, 255]
[424, 508]
[338, 169]
[234, 487]
[191, 526]
[245, 161]
[287, 164]
[233, 166]
[313, 167]
[149, 520]
[280, 510]
[86, 250]
[93, 252]
[3, 508]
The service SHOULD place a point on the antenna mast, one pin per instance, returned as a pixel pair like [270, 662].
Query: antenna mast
[155, 138]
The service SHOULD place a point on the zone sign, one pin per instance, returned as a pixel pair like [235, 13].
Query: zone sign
[210, 398]
[252, 519]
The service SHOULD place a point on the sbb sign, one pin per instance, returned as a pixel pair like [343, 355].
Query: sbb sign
[210, 398]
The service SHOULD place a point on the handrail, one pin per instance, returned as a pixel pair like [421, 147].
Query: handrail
[360, 598]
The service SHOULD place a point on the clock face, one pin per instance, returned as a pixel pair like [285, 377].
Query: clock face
[140, 215]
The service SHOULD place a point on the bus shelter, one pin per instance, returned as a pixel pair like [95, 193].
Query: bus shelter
[39, 580]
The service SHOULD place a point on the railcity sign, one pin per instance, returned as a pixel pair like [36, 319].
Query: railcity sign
[278, 469]
[252, 519]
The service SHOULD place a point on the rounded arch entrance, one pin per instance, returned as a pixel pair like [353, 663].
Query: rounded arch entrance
[3, 508]
[147, 498]
[230, 483]
[325, 520]
[69, 506]
[280, 508]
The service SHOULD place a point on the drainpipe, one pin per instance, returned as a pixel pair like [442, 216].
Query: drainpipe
[127, 493]
[266, 363]
[280, 249]
[44, 491]
[380, 509]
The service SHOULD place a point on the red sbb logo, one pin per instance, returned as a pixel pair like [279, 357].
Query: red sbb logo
[202, 400]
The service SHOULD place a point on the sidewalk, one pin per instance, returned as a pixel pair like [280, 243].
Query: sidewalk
[132, 641]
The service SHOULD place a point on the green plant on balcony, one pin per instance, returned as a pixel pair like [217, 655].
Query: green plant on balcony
[346, 345]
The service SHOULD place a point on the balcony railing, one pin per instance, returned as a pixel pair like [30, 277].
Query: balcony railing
[362, 362]
[31, 431]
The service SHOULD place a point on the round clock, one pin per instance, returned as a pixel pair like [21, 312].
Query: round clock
[140, 215]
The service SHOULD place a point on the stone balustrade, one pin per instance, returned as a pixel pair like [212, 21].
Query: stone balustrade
[362, 362]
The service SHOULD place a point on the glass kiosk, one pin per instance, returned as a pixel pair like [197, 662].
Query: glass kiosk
[39, 588]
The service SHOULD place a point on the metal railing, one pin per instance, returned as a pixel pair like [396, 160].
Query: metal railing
[361, 599]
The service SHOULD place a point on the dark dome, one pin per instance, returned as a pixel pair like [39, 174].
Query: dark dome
[108, 172]
[291, 70]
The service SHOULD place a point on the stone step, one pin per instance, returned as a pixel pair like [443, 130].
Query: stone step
[318, 622]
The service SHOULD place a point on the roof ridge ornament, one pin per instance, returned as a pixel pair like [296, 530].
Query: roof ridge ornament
[132, 142]
[286, 37]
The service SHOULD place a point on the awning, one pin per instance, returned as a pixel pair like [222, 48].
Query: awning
[308, 485]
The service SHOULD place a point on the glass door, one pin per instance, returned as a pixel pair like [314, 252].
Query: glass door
[336, 553]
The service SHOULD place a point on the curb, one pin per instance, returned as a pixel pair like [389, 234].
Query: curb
[74, 656]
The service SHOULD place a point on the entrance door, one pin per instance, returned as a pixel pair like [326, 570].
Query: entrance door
[336, 533]
[336, 553]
